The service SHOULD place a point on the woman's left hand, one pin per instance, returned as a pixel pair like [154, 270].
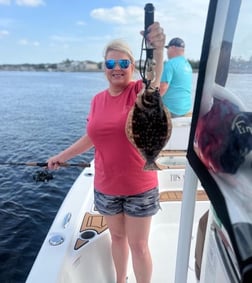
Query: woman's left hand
[156, 36]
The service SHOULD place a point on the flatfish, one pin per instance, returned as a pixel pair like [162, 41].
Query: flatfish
[149, 126]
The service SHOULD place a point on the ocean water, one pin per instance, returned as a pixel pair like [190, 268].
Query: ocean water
[41, 114]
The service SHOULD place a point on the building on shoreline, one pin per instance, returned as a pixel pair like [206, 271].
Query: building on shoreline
[236, 66]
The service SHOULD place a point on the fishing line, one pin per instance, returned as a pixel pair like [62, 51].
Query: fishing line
[147, 65]
[44, 175]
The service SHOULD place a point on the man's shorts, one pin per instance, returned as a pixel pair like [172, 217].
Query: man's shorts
[141, 205]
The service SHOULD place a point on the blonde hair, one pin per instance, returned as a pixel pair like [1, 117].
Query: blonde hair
[121, 46]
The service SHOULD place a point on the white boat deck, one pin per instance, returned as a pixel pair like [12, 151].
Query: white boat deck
[165, 225]
[163, 242]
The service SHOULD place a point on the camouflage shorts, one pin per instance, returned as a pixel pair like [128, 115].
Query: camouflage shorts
[141, 205]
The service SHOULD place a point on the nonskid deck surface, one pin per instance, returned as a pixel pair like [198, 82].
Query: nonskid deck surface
[165, 225]
[163, 242]
[94, 223]
[163, 237]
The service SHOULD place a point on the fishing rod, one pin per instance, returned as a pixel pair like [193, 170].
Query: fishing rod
[149, 62]
[45, 164]
[44, 175]
[148, 20]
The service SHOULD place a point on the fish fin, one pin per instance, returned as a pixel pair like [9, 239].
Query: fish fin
[169, 125]
[151, 166]
[128, 127]
[165, 166]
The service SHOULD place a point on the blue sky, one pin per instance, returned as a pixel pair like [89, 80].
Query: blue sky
[49, 31]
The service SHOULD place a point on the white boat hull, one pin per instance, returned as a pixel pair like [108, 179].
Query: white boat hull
[68, 256]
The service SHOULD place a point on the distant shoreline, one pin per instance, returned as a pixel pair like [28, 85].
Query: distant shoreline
[236, 66]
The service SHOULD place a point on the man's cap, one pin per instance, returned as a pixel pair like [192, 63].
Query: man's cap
[178, 42]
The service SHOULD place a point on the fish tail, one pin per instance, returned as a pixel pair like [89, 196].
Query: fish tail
[151, 166]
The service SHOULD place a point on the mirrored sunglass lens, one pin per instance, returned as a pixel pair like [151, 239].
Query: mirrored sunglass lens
[124, 63]
[110, 64]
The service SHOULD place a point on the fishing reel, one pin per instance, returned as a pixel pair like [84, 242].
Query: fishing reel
[42, 176]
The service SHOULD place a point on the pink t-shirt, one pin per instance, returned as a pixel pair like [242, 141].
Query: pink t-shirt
[118, 164]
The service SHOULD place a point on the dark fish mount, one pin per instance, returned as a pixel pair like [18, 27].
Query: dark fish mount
[149, 126]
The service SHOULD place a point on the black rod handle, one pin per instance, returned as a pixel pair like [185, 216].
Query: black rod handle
[148, 20]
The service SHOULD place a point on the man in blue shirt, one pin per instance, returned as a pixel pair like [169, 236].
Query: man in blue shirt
[176, 81]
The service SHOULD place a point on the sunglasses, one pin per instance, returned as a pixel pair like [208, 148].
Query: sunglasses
[111, 63]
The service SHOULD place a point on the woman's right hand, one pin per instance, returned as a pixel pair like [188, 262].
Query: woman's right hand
[81, 145]
[54, 162]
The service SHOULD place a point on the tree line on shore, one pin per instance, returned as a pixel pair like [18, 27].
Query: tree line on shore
[236, 65]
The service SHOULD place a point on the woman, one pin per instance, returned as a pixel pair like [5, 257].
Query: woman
[125, 194]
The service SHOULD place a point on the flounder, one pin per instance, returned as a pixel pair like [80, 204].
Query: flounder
[149, 126]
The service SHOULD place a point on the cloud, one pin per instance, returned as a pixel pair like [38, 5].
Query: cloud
[118, 14]
[5, 2]
[35, 43]
[65, 39]
[3, 33]
[32, 3]
[81, 23]
[26, 42]
[23, 42]
[182, 18]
